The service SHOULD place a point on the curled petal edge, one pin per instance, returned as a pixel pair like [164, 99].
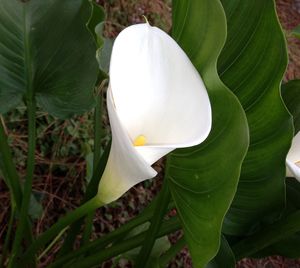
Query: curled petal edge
[292, 169]
[125, 167]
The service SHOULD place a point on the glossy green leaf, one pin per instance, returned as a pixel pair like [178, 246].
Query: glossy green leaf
[252, 64]
[203, 178]
[97, 16]
[278, 238]
[290, 246]
[291, 96]
[105, 48]
[104, 43]
[45, 46]
[224, 258]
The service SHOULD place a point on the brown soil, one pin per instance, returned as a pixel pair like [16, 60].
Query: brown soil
[289, 15]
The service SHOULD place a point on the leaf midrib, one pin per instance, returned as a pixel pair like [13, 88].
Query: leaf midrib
[27, 55]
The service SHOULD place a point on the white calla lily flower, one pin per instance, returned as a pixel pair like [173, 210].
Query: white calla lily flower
[293, 159]
[156, 102]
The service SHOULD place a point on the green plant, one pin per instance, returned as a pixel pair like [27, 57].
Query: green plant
[230, 192]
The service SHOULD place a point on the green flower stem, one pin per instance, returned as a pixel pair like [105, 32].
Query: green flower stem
[8, 236]
[16, 249]
[88, 227]
[107, 239]
[90, 192]
[115, 235]
[268, 236]
[124, 246]
[31, 112]
[156, 221]
[78, 213]
[97, 156]
[171, 253]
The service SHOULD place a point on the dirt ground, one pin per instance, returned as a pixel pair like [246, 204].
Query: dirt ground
[289, 15]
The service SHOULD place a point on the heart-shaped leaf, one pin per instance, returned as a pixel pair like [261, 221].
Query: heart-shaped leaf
[203, 179]
[46, 48]
[252, 64]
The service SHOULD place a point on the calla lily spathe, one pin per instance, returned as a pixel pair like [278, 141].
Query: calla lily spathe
[293, 159]
[156, 102]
